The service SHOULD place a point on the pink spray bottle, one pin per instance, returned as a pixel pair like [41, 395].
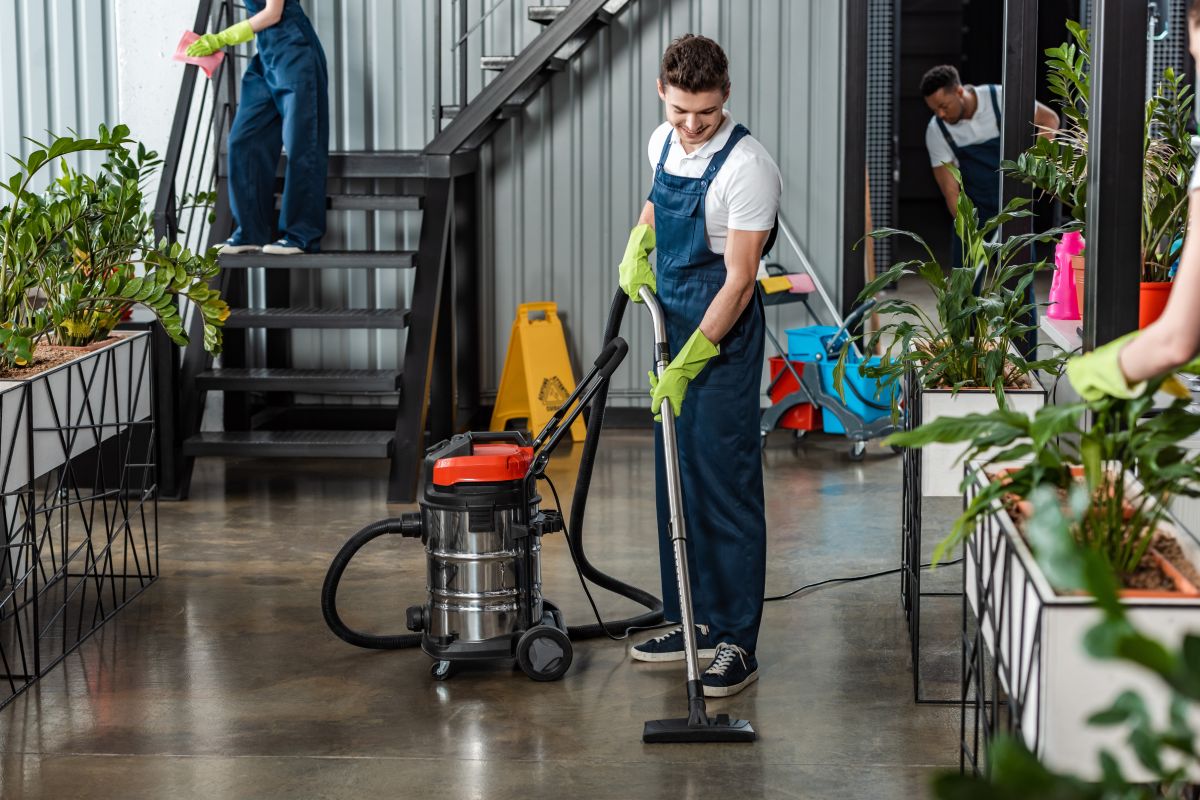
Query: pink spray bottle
[1063, 304]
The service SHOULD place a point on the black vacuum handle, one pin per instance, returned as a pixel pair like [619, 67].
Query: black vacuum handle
[602, 369]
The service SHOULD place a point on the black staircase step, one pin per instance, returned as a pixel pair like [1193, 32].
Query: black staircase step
[387, 164]
[498, 63]
[507, 111]
[368, 202]
[312, 381]
[291, 444]
[544, 15]
[328, 259]
[309, 317]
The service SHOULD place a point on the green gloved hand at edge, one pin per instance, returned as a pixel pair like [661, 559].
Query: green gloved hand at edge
[1098, 374]
[210, 43]
[673, 383]
[634, 270]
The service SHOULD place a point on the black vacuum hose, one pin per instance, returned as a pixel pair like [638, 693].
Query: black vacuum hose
[409, 525]
[334, 576]
[595, 423]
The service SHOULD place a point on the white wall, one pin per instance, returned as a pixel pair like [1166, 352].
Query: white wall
[147, 78]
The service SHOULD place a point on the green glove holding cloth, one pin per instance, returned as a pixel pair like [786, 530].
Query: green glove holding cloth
[210, 43]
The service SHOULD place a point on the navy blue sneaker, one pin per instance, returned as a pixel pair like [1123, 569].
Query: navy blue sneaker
[669, 646]
[732, 670]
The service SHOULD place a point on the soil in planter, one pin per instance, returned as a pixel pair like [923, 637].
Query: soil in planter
[1149, 576]
[49, 356]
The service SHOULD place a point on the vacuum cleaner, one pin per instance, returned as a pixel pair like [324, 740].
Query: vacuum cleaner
[481, 522]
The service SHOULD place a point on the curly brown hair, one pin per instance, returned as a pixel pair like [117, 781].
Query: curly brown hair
[695, 64]
[1194, 11]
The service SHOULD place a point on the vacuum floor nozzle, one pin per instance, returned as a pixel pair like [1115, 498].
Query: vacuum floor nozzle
[682, 731]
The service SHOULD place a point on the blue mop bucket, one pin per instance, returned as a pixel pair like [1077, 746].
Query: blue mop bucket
[809, 344]
[862, 394]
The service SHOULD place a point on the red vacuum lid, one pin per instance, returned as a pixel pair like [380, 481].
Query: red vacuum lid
[488, 463]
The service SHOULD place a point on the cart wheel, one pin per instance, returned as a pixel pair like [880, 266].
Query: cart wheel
[442, 670]
[762, 439]
[544, 653]
[897, 449]
[858, 451]
[799, 435]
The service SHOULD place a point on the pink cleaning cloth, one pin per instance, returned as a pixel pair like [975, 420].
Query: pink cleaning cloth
[207, 63]
[802, 283]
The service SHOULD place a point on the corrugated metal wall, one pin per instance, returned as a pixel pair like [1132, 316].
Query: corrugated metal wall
[564, 182]
[57, 72]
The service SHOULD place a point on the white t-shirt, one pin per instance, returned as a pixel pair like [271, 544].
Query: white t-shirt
[745, 193]
[982, 127]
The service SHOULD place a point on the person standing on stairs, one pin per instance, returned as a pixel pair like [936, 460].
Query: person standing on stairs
[284, 104]
[712, 213]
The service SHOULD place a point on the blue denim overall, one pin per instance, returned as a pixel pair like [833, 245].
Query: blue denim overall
[284, 103]
[719, 455]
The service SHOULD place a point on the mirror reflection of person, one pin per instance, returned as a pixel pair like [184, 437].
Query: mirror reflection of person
[284, 103]
[965, 131]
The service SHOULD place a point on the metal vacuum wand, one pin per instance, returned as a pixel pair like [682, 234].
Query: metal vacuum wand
[698, 727]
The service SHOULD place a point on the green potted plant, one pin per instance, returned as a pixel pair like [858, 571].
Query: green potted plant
[73, 259]
[1121, 521]
[1057, 166]
[960, 356]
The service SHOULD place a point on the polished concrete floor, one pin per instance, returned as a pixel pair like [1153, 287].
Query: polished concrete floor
[222, 681]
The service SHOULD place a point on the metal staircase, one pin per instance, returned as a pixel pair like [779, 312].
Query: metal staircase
[437, 390]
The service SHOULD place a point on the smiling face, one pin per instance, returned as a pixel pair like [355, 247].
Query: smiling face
[947, 104]
[695, 116]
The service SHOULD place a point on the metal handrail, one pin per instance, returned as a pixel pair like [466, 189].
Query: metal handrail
[806, 263]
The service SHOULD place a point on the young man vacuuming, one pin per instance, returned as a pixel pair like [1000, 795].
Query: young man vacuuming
[712, 207]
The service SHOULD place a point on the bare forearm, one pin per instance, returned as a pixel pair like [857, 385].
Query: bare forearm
[725, 309]
[951, 196]
[1174, 338]
[743, 249]
[647, 215]
[270, 15]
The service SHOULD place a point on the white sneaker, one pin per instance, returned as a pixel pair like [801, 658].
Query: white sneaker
[282, 248]
[231, 248]
[669, 646]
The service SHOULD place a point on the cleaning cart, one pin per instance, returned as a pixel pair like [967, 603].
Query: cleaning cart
[802, 390]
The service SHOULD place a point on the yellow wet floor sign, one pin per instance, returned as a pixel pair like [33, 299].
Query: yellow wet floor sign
[537, 377]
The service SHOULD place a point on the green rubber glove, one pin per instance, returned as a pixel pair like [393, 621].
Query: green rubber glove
[1098, 374]
[679, 373]
[634, 270]
[210, 43]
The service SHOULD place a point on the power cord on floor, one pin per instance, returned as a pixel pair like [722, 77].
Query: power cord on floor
[854, 579]
[794, 592]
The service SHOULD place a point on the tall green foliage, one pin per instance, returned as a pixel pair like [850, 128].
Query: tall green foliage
[77, 256]
[980, 309]
[1058, 166]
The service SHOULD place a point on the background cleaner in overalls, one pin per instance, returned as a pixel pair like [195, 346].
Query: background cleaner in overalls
[711, 211]
[965, 131]
[284, 103]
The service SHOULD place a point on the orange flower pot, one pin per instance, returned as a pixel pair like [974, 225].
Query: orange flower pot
[1152, 299]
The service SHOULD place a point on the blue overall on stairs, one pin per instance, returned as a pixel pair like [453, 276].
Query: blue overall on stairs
[284, 104]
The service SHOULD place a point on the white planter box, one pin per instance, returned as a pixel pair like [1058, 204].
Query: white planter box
[941, 466]
[1034, 638]
[64, 411]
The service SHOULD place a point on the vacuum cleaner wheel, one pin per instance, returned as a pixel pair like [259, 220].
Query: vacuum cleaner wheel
[544, 653]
